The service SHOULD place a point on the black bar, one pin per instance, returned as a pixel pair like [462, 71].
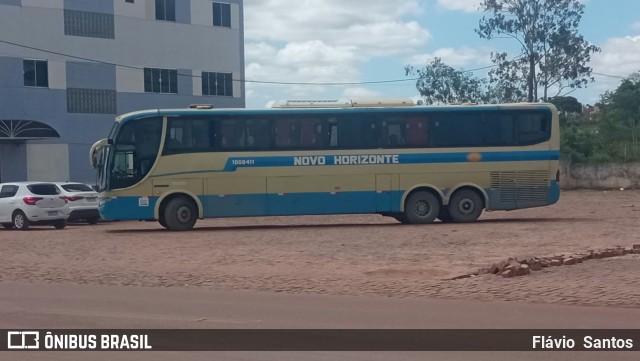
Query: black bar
[329, 340]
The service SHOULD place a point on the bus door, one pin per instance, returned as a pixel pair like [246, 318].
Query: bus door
[383, 193]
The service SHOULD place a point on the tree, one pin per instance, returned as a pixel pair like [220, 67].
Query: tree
[568, 105]
[439, 83]
[619, 118]
[569, 108]
[554, 55]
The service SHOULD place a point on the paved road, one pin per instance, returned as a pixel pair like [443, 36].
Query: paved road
[73, 306]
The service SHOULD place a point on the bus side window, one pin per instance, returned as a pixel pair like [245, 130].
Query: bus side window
[357, 132]
[417, 132]
[258, 135]
[311, 133]
[287, 133]
[532, 128]
[332, 136]
[392, 134]
[200, 135]
[179, 130]
[498, 129]
[232, 134]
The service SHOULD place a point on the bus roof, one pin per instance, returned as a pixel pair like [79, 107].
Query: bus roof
[262, 112]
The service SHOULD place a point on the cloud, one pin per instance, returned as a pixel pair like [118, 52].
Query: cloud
[313, 41]
[458, 58]
[618, 57]
[327, 20]
[636, 26]
[298, 62]
[469, 6]
[359, 92]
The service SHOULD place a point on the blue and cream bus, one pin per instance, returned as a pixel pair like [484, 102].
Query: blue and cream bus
[413, 163]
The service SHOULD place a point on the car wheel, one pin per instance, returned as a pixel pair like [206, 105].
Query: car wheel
[93, 220]
[421, 208]
[465, 206]
[20, 221]
[60, 224]
[180, 214]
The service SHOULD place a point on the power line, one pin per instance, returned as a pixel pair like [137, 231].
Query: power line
[610, 76]
[236, 80]
[198, 76]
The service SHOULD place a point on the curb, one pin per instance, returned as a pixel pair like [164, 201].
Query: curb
[515, 267]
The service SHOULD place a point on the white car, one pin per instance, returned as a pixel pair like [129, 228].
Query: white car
[25, 203]
[82, 202]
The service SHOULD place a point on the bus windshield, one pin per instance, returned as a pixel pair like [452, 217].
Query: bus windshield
[134, 152]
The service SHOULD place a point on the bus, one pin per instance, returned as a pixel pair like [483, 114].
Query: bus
[388, 157]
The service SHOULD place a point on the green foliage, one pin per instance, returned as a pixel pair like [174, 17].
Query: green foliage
[613, 134]
[568, 105]
[441, 84]
[554, 56]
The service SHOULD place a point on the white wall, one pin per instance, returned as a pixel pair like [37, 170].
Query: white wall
[48, 162]
[57, 74]
[129, 80]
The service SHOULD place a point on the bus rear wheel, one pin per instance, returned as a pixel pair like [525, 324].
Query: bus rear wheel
[400, 217]
[444, 215]
[465, 206]
[421, 208]
[180, 214]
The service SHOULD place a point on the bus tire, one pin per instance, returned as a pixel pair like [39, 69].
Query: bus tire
[444, 215]
[421, 208]
[465, 206]
[162, 222]
[180, 214]
[400, 217]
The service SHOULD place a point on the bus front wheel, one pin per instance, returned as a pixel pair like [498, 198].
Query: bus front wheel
[162, 222]
[421, 208]
[465, 206]
[180, 214]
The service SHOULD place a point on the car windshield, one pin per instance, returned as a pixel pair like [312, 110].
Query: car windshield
[43, 189]
[76, 187]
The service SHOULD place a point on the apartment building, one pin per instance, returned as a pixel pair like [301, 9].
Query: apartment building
[69, 67]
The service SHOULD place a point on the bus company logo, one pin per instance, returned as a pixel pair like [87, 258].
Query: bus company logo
[474, 157]
[23, 340]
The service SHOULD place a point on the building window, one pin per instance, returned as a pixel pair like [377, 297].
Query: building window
[89, 24]
[91, 101]
[129, 1]
[220, 84]
[222, 15]
[166, 10]
[36, 73]
[160, 81]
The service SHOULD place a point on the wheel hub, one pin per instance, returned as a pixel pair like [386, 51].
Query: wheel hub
[422, 208]
[466, 206]
[18, 221]
[184, 214]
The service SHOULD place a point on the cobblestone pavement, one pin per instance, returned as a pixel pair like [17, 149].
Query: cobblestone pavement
[611, 281]
[350, 255]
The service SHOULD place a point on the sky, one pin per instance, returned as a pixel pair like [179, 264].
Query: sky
[356, 41]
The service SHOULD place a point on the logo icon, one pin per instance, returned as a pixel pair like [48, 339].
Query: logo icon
[23, 340]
